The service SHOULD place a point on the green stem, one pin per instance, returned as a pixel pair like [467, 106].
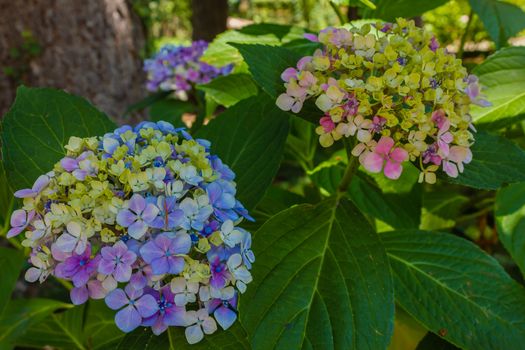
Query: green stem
[66, 284]
[338, 12]
[351, 168]
[465, 33]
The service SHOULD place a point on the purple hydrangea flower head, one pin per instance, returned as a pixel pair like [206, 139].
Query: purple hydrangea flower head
[179, 68]
[145, 218]
[134, 306]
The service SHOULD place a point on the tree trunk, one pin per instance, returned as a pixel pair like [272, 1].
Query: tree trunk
[208, 18]
[87, 47]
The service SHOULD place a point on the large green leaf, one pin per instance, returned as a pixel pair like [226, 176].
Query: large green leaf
[174, 339]
[90, 326]
[220, 51]
[399, 210]
[510, 219]
[502, 20]
[37, 127]
[21, 314]
[441, 208]
[230, 89]
[456, 290]
[250, 138]
[11, 261]
[502, 76]
[496, 161]
[389, 10]
[6, 199]
[266, 64]
[322, 281]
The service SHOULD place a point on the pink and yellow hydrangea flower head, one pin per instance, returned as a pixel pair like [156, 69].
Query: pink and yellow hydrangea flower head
[393, 89]
[145, 218]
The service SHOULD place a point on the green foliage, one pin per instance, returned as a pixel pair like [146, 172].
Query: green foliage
[456, 290]
[250, 137]
[503, 77]
[389, 10]
[510, 218]
[173, 339]
[21, 314]
[324, 283]
[37, 127]
[496, 161]
[502, 20]
[229, 89]
[170, 110]
[11, 261]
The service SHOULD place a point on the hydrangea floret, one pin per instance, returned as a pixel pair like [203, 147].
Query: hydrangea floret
[145, 218]
[395, 90]
[179, 68]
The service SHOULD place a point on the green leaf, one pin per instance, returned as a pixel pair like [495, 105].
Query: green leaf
[229, 89]
[399, 210]
[21, 314]
[455, 289]
[170, 110]
[389, 10]
[6, 200]
[11, 261]
[37, 127]
[502, 77]
[322, 282]
[502, 20]
[496, 161]
[147, 101]
[249, 137]
[510, 220]
[266, 64]
[174, 339]
[89, 326]
[220, 52]
[441, 208]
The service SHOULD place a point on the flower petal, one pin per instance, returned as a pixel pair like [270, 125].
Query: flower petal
[147, 305]
[126, 218]
[393, 170]
[194, 334]
[116, 299]
[373, 162]
[225, 317]
[128, 319]
[137, 229]
[79, 295]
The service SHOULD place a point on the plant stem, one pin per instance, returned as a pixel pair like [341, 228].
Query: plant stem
[338, 12]
[351, 168]
[465, 33]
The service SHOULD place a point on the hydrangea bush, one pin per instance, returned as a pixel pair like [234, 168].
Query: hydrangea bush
[395, 90]
[148, 220]
[145, 218]
[179, 68]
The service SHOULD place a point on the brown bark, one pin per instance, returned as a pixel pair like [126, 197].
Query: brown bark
[208, 18]
[88, 47]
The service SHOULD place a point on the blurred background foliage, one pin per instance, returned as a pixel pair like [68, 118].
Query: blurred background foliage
[170, 21]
